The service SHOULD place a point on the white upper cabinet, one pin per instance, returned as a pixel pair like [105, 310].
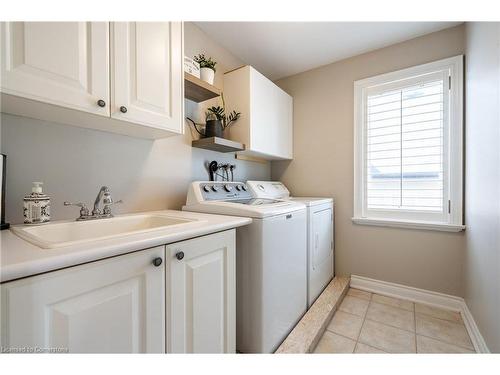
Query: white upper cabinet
[61, 63]
[266, 123]
[76, 73]
[147, 73]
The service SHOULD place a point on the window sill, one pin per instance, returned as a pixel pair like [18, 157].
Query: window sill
[409, 224]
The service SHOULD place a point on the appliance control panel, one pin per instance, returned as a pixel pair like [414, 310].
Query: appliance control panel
[268, 189]
[225, 190]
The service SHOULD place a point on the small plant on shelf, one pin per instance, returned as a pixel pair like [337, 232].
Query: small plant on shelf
[207, 68]
[216, 120]
[204, 62]
[219, 113]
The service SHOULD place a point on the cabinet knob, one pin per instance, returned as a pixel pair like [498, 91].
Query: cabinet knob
[157, 262]
[179, 255]
[123, 109]
[101, 103]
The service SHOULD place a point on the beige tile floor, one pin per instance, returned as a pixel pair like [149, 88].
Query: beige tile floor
[372, 323]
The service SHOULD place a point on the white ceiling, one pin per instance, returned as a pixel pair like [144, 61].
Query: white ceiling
[280, 49]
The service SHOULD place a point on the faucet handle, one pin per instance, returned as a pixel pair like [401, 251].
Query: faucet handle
[84, 211]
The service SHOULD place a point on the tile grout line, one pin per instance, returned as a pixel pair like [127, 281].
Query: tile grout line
[363, 324]
[388, 304]
[446, 320]
[374, 347]
[447, 342]
[360, 328]
[388, 325]
[364, 318]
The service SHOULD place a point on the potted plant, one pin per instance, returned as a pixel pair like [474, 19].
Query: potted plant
[216, 121]
[207, 68]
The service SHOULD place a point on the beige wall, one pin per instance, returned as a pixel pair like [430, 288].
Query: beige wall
[482, 189]
[74, 162]
[323, 166]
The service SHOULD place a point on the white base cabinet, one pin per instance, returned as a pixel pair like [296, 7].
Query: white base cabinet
[202, 295]
[131, 303]
[115, 305]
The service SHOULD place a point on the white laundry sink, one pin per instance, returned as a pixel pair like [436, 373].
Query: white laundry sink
[59, 234]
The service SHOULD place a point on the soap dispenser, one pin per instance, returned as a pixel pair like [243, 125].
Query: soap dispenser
[36, 206]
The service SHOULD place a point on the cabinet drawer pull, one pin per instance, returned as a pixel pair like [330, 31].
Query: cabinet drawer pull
[123, 109]
[101, 103]
[157, 262]
[179, 255]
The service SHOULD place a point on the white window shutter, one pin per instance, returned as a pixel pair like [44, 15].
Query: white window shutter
[408, 138]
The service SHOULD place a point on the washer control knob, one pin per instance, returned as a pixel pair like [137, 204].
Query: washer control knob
[238, 187]
[244, 187]
[206, 188]
[215, 188]
[228, 188]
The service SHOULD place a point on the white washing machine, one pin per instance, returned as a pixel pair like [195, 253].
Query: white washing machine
[320, 233]
[271, 261]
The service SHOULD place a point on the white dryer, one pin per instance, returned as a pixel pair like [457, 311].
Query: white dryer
[320, 233]
[271, 261]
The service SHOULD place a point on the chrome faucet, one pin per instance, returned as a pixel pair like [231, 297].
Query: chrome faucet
[104, 192]
[104, 195]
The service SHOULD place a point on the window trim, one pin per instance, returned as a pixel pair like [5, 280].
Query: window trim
[454, 220]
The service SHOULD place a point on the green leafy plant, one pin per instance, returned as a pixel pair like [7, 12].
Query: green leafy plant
[204, 62]
[219, 113]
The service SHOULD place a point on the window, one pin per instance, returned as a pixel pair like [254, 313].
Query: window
[408, 147]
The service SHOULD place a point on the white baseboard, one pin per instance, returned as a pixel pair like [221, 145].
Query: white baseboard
[428, 297]
[473, 330]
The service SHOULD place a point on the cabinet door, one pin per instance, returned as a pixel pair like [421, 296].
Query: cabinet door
[321, 252]
[322, 231]
[271, 118]
[61, 63]
[202, 295]
[147, 74]
[109, 306]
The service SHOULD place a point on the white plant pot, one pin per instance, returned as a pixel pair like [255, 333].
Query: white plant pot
[207, 75]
